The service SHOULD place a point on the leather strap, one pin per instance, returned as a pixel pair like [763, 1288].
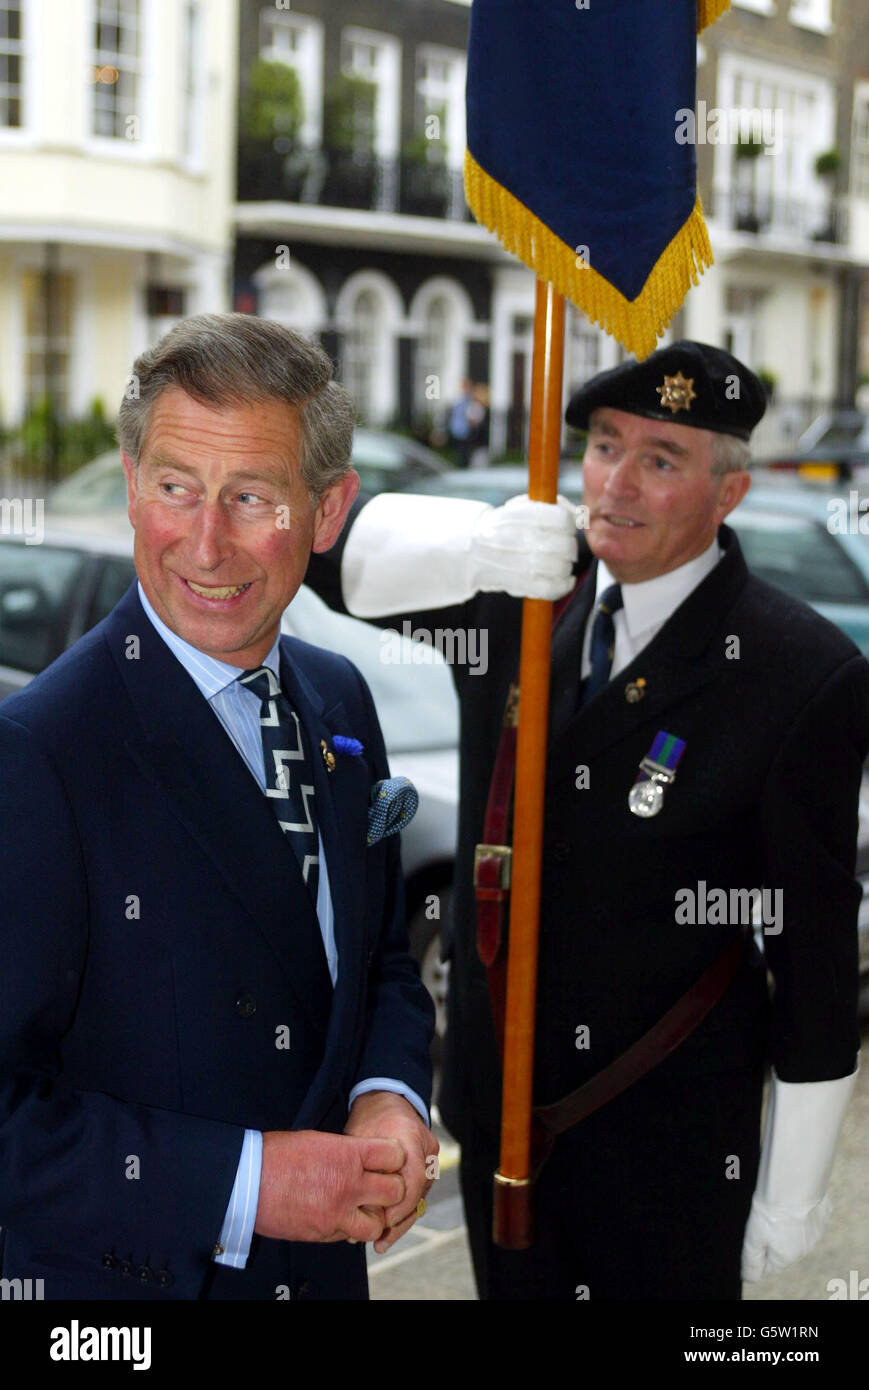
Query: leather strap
[492, 857]
[548, 1121]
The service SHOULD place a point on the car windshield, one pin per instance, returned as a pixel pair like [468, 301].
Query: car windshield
[798, 555]
[842, 436]
[384, 463]
[36, 585]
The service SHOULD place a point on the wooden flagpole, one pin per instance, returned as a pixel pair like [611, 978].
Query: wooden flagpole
[513, 1224]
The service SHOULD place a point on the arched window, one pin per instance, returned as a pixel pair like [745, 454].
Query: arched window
[369, 315]
[433, 359]
[362, 344]
[442, 315]
[291, 295]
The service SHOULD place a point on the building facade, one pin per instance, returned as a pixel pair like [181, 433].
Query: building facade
[117, 131]
[352, 221]
[782, 131]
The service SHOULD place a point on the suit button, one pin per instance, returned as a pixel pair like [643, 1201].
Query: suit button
[164, 1278]
[125, 1267]
[145, 1274]
[245, 1005]
[109, 1261]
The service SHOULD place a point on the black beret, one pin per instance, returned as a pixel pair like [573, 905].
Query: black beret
[686, 383]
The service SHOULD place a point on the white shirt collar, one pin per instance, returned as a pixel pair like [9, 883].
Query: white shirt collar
[210, 675]
[653, 601]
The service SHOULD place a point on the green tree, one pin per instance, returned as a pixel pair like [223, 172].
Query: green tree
[348, 115]
[271, 103]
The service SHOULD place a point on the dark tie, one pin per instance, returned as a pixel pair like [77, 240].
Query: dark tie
[289, 780]
[603, 637]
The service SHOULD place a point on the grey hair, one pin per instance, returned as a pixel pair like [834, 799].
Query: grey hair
[729, 454]
[235, 359]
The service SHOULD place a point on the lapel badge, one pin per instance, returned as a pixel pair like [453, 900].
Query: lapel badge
[657, 772]
[328, 755]
[677, 393]
[635, 690]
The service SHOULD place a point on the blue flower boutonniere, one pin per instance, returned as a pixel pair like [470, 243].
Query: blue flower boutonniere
[352, 746]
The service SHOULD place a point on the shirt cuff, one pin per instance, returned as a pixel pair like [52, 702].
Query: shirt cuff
[236, 1233]
[386, 1083]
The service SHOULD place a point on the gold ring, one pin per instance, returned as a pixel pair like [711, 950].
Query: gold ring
[420, 1207]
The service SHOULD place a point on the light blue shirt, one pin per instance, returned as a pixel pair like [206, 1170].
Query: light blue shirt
[238, 710]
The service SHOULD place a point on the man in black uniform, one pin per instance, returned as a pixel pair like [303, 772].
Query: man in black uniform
[764, 711]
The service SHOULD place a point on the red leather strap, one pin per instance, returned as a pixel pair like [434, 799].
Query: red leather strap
[493, 854]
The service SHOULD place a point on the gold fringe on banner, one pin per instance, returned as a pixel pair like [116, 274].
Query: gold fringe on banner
[708, 11]
[636, 323]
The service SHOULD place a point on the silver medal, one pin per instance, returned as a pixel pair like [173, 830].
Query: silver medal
[646, 798]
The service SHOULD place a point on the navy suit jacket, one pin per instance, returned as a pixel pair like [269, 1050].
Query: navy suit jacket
[156, 944]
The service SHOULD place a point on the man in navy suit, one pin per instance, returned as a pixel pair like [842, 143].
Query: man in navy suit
[214, 1063]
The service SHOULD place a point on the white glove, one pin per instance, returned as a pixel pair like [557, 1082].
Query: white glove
[407, 552]
[790, 1208]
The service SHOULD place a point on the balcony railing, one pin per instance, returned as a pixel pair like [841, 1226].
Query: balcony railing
[745, 211]
[340, 178]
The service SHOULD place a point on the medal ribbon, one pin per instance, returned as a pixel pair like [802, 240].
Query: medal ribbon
[666, 751]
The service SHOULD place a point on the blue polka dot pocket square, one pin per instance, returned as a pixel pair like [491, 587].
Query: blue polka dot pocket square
[394, 803]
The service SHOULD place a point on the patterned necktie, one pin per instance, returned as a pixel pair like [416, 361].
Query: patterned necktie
[289, 780]
[603, 638]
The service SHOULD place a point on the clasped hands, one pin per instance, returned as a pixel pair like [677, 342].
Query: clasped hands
[361, 1185]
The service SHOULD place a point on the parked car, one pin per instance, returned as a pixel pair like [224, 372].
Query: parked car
[389, 462]
[52, 593]
[385, 463]
[835, 446]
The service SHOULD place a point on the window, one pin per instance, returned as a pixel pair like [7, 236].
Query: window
[116, 74]
[293, 296]
[164, 306]
[860, 143]
[440, 93]
[115, 580]
[812, 14]
[194, 83]
[11, 63]
[48, 347]
[793, 114]
[361, 352]
[583, 348]
[369, 315]
[297, 41]
[164, 301]
[38, 584]
[377, 59]
[443, 316]
[433, 354]
[798, 556]
[741, 321]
